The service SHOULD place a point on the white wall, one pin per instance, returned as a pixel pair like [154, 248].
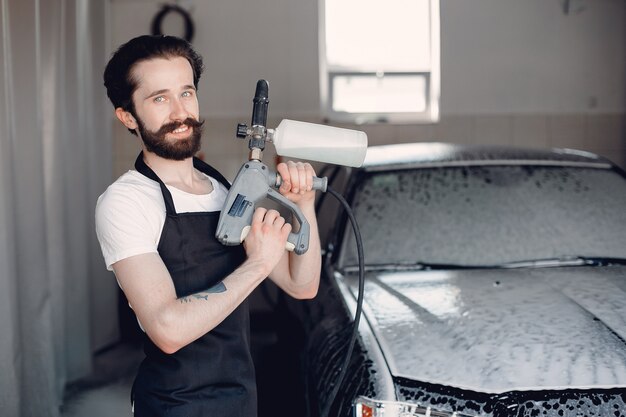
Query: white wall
[498, 56]
[527, 56]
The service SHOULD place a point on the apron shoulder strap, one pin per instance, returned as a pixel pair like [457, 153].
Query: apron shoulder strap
[142, 168]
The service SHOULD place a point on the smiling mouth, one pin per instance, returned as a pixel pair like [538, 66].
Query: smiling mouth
[181, 129]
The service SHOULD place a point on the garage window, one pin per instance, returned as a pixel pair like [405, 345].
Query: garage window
[379, 60]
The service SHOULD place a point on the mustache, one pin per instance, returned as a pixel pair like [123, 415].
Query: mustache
[193, 123]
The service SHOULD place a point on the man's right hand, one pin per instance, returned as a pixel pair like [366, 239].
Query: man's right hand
[266, 240]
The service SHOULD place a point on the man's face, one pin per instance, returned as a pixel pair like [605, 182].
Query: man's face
[166, 107]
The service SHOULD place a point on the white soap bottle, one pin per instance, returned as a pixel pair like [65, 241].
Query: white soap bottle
[321, 143]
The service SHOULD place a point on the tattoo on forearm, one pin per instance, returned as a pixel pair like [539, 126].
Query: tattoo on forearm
[204, 295]
[217, 288]
[198, 296]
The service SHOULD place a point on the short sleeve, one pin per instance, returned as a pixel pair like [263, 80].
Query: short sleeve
[126, 226]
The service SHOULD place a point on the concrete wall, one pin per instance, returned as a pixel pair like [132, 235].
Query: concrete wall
[513, 72]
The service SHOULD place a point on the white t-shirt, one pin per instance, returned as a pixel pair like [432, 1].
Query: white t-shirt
[130, 214]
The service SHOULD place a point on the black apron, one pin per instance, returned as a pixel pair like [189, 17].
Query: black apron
[214, 375]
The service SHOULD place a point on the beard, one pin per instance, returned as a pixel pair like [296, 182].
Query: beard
[157, 143]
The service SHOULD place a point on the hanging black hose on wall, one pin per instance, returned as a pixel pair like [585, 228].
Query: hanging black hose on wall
[173, 8]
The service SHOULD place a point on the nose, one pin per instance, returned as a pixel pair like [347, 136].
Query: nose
[178, 112]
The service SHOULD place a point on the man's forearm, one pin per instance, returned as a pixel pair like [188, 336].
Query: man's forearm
[304, 270]
[189, 318]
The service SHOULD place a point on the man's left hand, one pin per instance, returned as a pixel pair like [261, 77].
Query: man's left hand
[297, 183]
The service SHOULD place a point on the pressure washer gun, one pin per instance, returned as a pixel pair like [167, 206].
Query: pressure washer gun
[256, 182]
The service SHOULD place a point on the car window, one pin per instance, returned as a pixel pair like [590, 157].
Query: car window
[488, 215]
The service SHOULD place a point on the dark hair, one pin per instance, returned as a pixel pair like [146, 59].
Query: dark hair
[118, 80]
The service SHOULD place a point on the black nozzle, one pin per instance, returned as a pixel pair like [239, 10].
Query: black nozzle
[261, 101]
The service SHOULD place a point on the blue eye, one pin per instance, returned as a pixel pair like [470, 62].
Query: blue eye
[187, 94]
[159, 99]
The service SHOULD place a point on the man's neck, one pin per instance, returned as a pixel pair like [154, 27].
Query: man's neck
[179, 174]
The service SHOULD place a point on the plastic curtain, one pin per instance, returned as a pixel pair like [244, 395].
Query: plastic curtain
[54, 161]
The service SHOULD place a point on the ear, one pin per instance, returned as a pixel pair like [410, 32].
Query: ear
[126, 118]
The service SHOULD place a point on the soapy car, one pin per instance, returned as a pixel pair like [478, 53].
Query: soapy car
[495, 285]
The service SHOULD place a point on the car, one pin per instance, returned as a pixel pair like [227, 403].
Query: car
[495, 285]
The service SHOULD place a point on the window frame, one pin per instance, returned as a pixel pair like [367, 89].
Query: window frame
[432, 75]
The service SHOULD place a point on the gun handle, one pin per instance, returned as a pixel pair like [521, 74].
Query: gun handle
[297, 242]
[319, 183]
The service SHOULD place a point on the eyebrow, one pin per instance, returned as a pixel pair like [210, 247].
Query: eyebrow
[165, 90]
[157, 92]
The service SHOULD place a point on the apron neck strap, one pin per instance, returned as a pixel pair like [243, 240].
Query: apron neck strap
[143, 168]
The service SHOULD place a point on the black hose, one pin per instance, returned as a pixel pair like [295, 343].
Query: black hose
[173, 8]
[359, 302]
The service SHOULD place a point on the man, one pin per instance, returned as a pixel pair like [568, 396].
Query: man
[156, 226]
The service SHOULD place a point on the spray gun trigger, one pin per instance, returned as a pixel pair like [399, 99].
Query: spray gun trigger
[244, 233]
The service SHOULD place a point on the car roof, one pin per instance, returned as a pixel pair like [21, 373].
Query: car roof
[434, 154]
